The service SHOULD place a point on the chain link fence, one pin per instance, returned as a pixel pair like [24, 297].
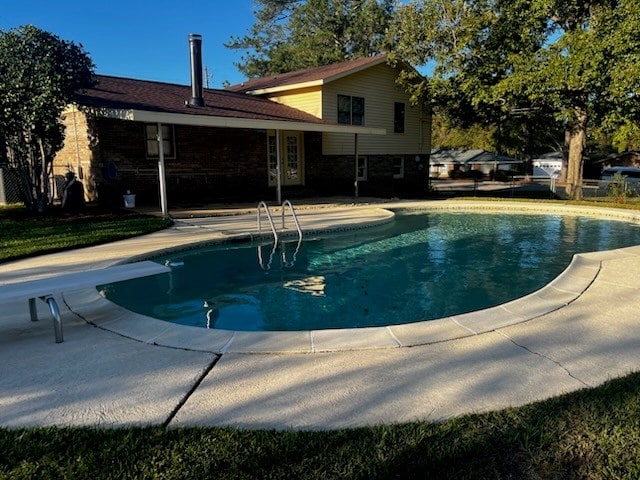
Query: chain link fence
[9, 186]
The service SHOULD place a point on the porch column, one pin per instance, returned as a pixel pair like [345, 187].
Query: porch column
[278, 169]
[162, 179]
[355, 141]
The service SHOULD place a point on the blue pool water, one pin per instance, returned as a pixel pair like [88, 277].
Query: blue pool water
[420, 267]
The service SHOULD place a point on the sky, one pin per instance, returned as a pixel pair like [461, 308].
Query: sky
[141, 38]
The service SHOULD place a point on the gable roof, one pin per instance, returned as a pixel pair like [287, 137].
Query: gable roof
[306, 78]
[148, 101]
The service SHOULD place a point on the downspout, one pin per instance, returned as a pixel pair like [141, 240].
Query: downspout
[162, 179]
[75, 131]
[79, 171]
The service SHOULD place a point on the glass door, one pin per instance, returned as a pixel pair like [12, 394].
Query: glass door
[292, 159]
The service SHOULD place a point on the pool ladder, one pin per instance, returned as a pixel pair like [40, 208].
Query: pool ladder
[263, 205]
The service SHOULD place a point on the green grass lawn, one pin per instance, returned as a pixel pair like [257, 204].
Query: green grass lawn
[23, 235]
[588, 434]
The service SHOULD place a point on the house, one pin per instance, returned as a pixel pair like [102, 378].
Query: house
[547, 165]
[444, 160]
[360, 92]
[629, 158]
[342, 129]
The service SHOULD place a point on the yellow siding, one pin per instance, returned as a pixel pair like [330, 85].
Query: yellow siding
[306, 99]
[377, 86]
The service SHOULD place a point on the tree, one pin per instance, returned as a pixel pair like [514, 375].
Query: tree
[39, 74]
[293, 34]
[446, 133]
[569, 57]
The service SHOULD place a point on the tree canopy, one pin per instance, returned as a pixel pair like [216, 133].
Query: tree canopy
[576, 59]
[294, 34]
[39, 74]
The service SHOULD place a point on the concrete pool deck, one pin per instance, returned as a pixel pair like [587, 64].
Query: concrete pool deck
[116, 368]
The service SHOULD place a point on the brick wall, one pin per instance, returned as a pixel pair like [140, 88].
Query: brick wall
[209, 165]
[213, 165]
[335, 175]
[76, 154]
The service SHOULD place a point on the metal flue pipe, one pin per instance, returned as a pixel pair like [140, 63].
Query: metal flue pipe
[195, 48]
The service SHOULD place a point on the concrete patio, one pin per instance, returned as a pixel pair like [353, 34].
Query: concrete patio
[116, 368]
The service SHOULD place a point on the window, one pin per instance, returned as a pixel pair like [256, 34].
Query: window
[398, 167]
[151, 132]
[350, 110]
[362, 168]
[398, 117]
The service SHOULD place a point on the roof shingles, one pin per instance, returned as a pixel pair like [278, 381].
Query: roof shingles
[326, 73]
[130, 94]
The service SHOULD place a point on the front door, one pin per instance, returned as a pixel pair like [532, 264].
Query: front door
[291, 158]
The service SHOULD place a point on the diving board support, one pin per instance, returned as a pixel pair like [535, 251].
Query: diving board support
[47, 288]
[55, 313]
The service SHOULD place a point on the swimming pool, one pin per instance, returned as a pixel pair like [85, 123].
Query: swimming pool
[421, 267]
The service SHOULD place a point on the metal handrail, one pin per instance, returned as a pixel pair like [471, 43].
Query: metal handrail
[261, 259]
[273, 228]
[293, 215]
[276, 238]
[286, 263]
[263, 204]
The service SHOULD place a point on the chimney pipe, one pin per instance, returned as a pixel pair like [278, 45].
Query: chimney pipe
[195, 47]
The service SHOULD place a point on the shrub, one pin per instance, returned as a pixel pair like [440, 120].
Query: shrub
[619, 189]
[504, 175]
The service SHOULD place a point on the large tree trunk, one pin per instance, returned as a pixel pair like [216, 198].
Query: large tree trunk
[43, 192]
[565, 157]
[577, 144]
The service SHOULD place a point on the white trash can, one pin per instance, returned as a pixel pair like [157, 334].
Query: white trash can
[129, 200]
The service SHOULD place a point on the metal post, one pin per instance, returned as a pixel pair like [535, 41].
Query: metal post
[356, 152]
[57, 320]
[33, 310]
[278, 168]
[162, 179]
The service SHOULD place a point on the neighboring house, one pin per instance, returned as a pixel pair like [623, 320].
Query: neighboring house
[444, 160]
[194, 145]
[547, 165]
[623, 159]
